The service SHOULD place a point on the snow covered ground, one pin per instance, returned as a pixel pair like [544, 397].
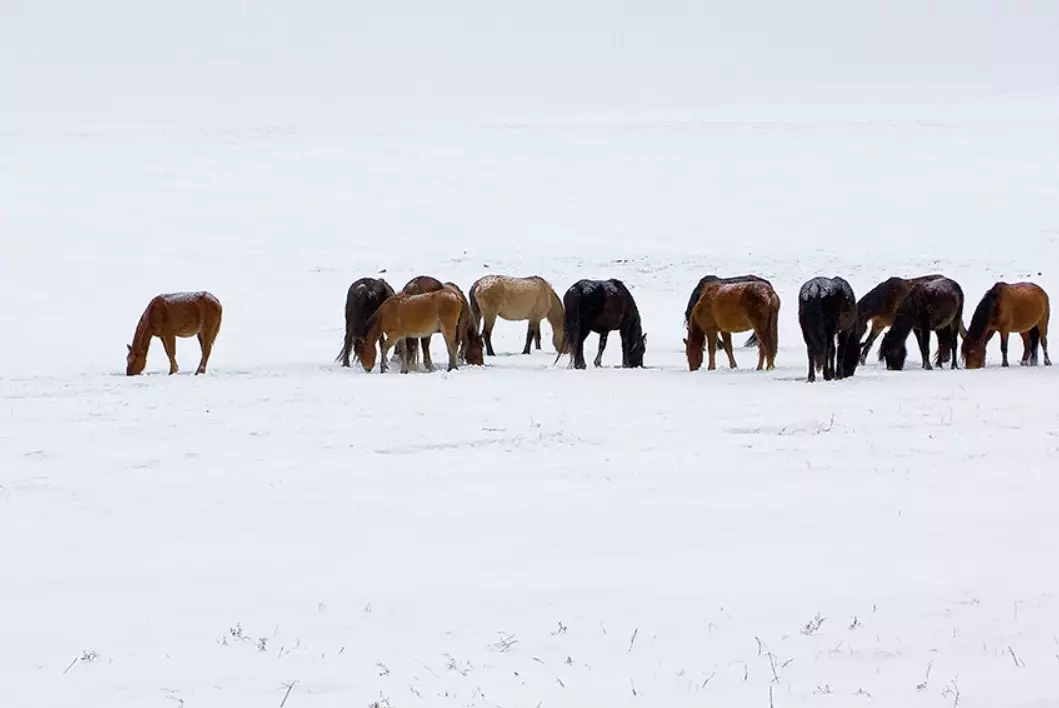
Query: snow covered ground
[519, 534]
[284, 532]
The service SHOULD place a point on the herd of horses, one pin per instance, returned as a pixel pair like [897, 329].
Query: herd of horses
[833, 321]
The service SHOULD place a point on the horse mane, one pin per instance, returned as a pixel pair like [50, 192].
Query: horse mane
[141, 338]
[696, 294]
[983, 313]
[874, 301]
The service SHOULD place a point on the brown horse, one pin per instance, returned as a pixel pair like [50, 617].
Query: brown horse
[1006, 308]
[733, 307]
[879, 307]
[470, 339]
[173, 315]
[930, 306]
[412, 316]
[517, 299]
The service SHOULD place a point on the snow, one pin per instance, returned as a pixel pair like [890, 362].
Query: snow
[520, 534]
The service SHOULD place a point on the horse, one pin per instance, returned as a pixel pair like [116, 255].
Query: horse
[879, 307]
[724, 308]
[931, 305]
[752, 339]
[517, 299]
[362, 300]
[471, 344]
[601, 306]
[470, 339]
[172, 315]
[404, 316]
[1006, 308]
[827, 309]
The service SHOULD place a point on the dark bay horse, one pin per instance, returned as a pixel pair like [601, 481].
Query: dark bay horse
[932, 305]
[697, 292]
[362, 300]
[601, 306]
[827, 309]
[879, 307]
[1007, 308]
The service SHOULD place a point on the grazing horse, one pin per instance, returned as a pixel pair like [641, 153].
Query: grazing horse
[362, 300]
[752, 339]
[931, 305]
[602, 306]
[827, 309]
[173, 315]
[516, 299]
[879, 307]
[412, 316]
[1007, 308]
[724, 308]
[470, 339]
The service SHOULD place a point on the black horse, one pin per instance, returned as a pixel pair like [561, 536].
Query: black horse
[602, 306]
[362, 300]
[697, 292]
[827, 309]
[934, 305]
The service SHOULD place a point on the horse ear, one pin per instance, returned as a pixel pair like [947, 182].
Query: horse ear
[685, 341]
[129, 347]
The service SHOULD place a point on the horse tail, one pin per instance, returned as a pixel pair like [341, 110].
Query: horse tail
[571, 325]
[347, 342]
[774, 327]
[476, 309]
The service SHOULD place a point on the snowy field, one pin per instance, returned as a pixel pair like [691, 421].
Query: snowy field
[520, 534]
[285, 532]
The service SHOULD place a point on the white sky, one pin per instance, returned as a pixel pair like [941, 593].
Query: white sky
[306, 61]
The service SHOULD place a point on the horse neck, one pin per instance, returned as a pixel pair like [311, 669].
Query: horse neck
[141, 339]
[905, 319]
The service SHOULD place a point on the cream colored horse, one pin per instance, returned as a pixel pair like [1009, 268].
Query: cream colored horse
[516, 299]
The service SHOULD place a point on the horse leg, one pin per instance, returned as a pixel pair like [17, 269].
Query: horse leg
[206, 345]
[424, 342]
[726, 342]
[1044, 345]
[1028, 355]
[829, 358]
[169, 342]
[763, 349]
[452, 344]
[529, 338]
[711, 348]
[487, 333]
[923, 339]
[602, 345]
[876, 329]
[812, 363]
[579, 350]
[1004, 348]
[537, 335]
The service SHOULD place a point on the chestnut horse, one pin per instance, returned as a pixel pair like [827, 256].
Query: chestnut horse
[517, 299]
[601, 306]
[827, 309]
[412, 316]
[931, 305]
[752, 339]
[362, 300]
[470, 339]
[879, 307]
[1007, 308]
[173, 315]
[724, 308]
